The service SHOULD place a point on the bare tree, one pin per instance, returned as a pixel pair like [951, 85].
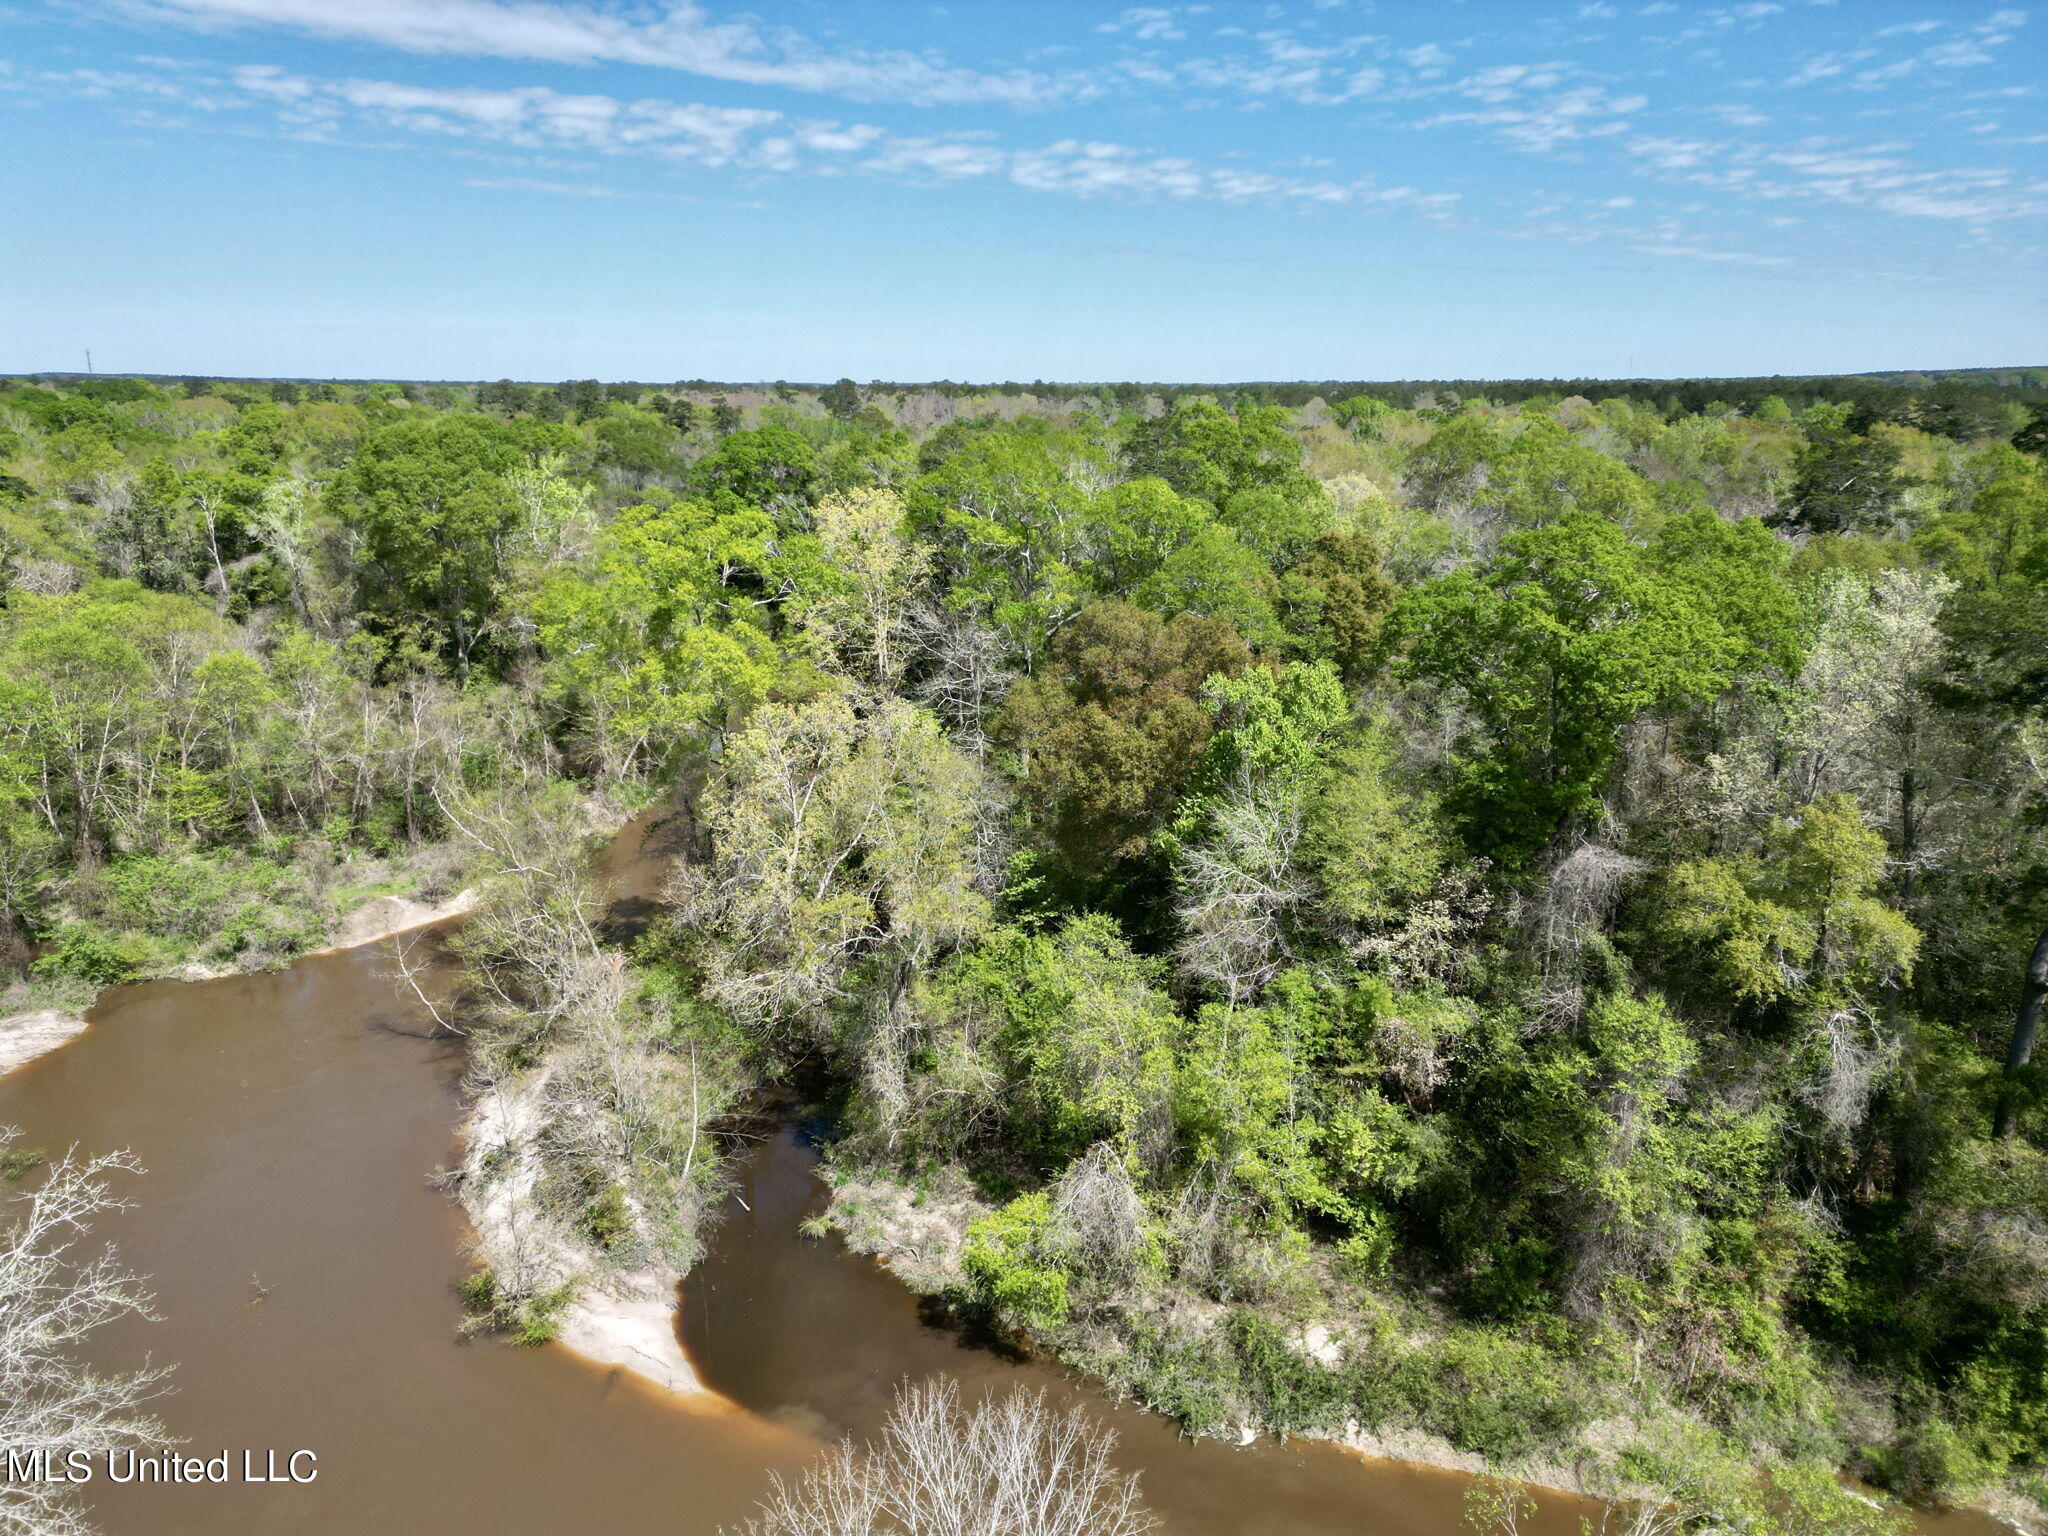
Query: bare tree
[967, 671]
[281, 525]
[1240, 887]
[1012, 1466]
[1571, 909]
[1101, 1215]
[1857, 1054]
[55, 1289]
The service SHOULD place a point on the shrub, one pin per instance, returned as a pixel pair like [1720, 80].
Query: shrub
[1486, 1392]
[1293, 1392]
[1189, 1377]
[531, 1320]
[607, 1218]
[88, 952]
[1004, 1258]
[479, 1292]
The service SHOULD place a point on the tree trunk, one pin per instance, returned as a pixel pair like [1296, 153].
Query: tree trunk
[1909, 836]
[2026, 1026]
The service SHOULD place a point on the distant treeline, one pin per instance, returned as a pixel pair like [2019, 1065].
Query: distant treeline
[1963, 404]
[2026, 384]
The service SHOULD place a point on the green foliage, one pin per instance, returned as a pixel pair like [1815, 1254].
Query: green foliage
[1455, 923]
[1847, 482]
[1004, 1258]
[1270, 725]
[530, 1319]
[1488, 1392]
[85, 952]
[1561, 641]
[607, 1219]
[1360, 415]
[1203, 451]
[770, 468]
[1337, 598]
[1800, 923]
[1292, 1392]
[1082, 1032]
[637, 441]
[661, 645]
[1373, 845]
[1108, 733]
[16, 1161]
[432, 501]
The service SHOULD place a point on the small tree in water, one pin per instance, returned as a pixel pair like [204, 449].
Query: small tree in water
[54, 1290]
[1013, 1466]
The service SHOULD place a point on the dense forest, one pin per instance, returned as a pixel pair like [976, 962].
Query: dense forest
[1510, 916]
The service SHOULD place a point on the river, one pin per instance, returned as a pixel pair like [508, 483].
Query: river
[305, 1265]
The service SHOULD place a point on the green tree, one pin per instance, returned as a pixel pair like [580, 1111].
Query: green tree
[661, 646]
[1006, 511]
[1203, 451]
[679, 413]
[1846, 481]
[1361, 415]
[1800, 923]
[1107, 734]
[1337, 598]
[1236, 840]
[1557, 643]
[844, 865]
[432, 502]
[637, 442]
[770, 467]
[1082, 1031]
[840, 400]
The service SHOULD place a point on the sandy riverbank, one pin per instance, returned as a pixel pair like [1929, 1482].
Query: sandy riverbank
[622, 1320]
[635, 1331]
[389, 916]
[617, 1318]
[25, 1036]
[918, 1237]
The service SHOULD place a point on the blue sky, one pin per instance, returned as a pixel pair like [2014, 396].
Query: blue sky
[477, 188]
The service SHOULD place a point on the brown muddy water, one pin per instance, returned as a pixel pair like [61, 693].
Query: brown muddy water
[305, 1267]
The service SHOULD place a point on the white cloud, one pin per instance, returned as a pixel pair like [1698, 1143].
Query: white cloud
[1973, 46]
[680, 37]
[1738, 115]
[1875, 176]
[529, 116]
[1708, 253]
[1148, 24]
[1318, 75]
[1541, 124]
[1825, 66]
[529, 184]
[752, 140]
